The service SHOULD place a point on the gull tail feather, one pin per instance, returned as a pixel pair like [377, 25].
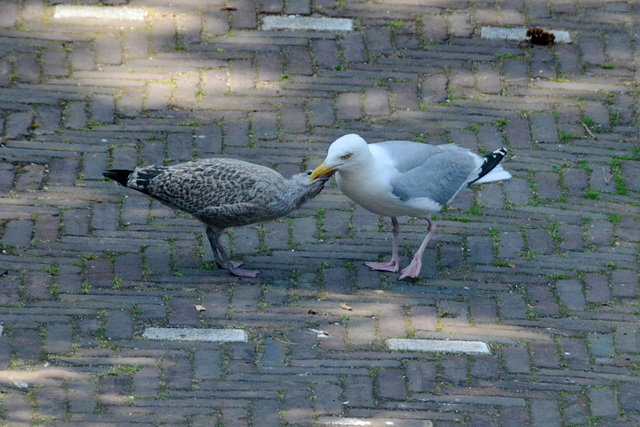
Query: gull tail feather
[490, 170]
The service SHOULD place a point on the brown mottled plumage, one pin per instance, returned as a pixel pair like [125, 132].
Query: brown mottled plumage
[222, 193]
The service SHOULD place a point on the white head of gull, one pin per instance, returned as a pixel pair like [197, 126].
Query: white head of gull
[222, 193]
[396, 178]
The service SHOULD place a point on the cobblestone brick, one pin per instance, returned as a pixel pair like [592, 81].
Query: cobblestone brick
[624, 283]
[516, 359]
[18, 125]
[298, 60]
[118, 325]
[327, 399]
[81, 396]
[326, 53]
[454, 369]
[266, 413]
[601, 344]
[18, 409]
[58, 338]
[603, 402]
[349, 106]
[377, 102]
[434, 28]
[359, 391]
[378, 40]
[391, 384]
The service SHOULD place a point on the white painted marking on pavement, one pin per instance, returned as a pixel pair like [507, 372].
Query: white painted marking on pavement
[193, 334]
[306, 23]
[105, 12]
[519, 34]
[439, 346]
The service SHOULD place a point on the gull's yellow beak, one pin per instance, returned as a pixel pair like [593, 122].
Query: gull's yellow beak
[321, 171]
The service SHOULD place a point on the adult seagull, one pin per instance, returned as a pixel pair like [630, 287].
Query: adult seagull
[396, 178]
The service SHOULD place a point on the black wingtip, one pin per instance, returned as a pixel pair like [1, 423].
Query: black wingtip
[121, 176]
[490, 161]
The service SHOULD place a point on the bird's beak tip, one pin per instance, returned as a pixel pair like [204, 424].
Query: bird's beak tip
[322, 172]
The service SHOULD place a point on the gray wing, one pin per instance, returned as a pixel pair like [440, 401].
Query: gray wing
[196, 186]
[436, 172]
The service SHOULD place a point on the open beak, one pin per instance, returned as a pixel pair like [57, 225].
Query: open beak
[322, 172]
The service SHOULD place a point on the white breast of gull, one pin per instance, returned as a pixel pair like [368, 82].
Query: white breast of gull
[222, 193]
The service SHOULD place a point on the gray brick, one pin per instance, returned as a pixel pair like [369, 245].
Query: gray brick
[516, 360]
[146, 381]
[545, 413]
[601, 344]
[304, 230]
[624, 283]
[163, 36]
[544, 354]
[597, 286]
[326, 53]
[244, 15]
[480, 250]
[349, 106]
[17, 408]
[28, 345]
[548, 185]
[359, 391]
[353, 47]
[54, 62]
[298, 60]
[378, 40]
[421, 376]
[327, 399]
[628, 395]
[571, 295]
[18, 125]
[377, 102]
[298, 7]
[18, 233]
[51, 402]
[391, 384]
[266, 412]
[27, 68]
[215, 21]
[118, 325]
[5, 73]
[434, 28]
[9, 13]
[603, 402]
[58, 338]
[108, 50]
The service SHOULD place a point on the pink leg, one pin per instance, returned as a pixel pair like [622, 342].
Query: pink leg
[222, 259]
[393, 265]
[413, 269]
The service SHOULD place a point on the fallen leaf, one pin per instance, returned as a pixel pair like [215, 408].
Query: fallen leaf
[378, 291]
[320, 334]
[344, 306]
[512, 265]
[199, 307]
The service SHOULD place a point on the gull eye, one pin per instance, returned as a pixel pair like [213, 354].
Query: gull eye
[308, 172]
[346, 156]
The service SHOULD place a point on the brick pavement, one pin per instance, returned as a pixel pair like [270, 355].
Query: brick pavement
[543, 267]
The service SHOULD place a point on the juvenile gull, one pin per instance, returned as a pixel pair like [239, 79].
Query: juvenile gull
[222, 193]
[395, 178]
